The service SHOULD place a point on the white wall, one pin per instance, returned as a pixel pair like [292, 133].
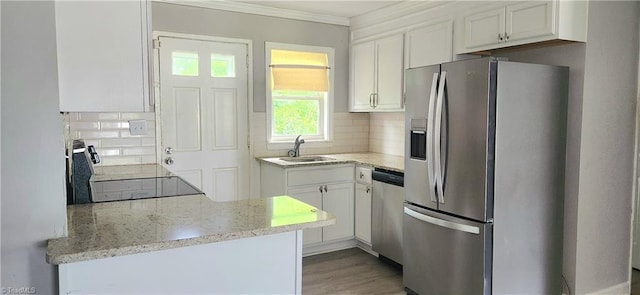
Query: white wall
[606, 154]
[33, 198]
[0, 141]
[212, 22]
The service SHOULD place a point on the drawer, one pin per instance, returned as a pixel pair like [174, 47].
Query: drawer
[321, 175]
[363, 174]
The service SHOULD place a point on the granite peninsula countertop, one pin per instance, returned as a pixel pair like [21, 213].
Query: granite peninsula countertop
[389, 162]
[102, 230]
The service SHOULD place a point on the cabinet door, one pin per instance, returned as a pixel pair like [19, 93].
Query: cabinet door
[363, 213]
[312, 196]
[484, 28]
[102, 55]
[429, 45]
[338, 200]
[530, 20]
[390, 71]
[362, 76]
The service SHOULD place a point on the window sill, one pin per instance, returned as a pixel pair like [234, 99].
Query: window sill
[306, 144]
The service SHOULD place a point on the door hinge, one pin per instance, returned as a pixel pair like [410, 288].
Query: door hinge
[156, 43]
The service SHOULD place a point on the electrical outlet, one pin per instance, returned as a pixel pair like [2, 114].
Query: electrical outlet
[138, 127]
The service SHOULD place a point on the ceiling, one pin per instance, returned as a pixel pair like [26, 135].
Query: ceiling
[346, 8]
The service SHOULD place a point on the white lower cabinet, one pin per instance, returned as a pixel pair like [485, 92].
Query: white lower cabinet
[311, 196]
[337, 199]
[328, 187]
[363, 212]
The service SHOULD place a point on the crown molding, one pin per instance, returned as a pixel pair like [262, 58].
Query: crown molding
[261, 10]
[393, 12]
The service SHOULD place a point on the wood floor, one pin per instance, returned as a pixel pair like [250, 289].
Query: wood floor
[350, 271]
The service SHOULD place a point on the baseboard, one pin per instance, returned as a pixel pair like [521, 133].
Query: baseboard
[328, 247]
[623, 288]
[366, 248]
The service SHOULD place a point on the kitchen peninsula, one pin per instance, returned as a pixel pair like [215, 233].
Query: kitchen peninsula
[185, 244]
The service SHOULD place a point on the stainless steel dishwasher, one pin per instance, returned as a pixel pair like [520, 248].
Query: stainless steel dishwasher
[387, 213]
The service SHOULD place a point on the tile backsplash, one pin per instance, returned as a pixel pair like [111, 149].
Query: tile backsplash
[109, 133]
[350, 135]
[353, 132]
[386, 133]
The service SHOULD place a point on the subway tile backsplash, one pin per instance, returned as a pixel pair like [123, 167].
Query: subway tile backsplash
[353, 132]
[109, 133]
[350, 135]
[386, 133]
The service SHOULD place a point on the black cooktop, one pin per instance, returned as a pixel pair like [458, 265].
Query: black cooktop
[140, 188]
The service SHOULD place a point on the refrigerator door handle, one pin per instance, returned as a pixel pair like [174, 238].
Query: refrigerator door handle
[430, 122]
[438, 141]
[443, 223]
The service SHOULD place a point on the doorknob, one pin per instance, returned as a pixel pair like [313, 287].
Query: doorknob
[168, 161]
[168, 150]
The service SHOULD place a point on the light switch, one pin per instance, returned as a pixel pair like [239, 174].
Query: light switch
[138, 127]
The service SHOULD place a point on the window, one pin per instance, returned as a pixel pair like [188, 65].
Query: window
[223, 66]
[299, 92]
[184, 63]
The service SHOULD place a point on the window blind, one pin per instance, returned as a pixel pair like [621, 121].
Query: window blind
[298, 70]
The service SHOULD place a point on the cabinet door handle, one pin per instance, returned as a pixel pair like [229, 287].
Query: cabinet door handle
[404, 99]
[361, 175]
[500, 37]
[375, 100]
[506, 37]
[371, 100]
[320, 189]
[368, 189]
[325, 188]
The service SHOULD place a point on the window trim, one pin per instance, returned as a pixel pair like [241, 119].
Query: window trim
[272, 143]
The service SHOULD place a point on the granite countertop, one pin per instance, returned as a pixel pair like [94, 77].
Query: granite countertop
[389, 162]
[102, 230]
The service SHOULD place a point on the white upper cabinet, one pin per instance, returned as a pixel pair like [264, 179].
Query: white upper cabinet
[484, 28]
[529, 20]
[429, 45]
[376, 75]
[103, 55]
[363, 75]
[522, 23]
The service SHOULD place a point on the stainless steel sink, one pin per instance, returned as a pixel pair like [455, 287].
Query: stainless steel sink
[307, 159]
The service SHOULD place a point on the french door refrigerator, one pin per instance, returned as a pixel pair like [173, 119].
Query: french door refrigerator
[484, 177]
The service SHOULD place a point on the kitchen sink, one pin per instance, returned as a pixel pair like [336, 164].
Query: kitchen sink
[307, 159]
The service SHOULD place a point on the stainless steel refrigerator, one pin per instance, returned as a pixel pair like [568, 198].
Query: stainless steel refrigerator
[484, 177]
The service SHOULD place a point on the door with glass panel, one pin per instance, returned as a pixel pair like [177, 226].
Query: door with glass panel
[203, 115]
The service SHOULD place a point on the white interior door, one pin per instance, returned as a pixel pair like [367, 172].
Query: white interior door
[203, 115]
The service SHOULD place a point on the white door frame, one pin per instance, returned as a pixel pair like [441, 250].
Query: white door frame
[156, 88]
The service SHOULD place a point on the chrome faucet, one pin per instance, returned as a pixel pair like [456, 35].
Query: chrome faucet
[295, 152]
